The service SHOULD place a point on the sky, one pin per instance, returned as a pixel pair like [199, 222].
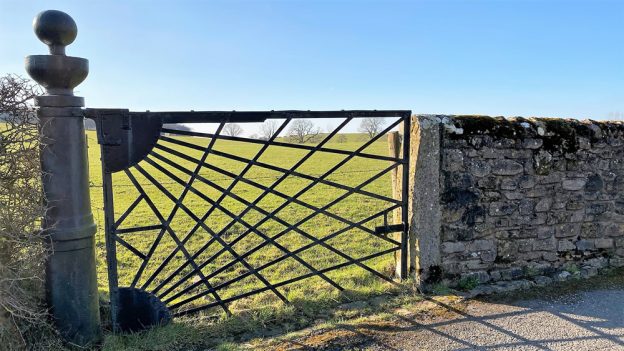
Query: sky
[555, 58]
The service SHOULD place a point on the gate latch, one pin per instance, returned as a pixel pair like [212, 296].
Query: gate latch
[389, 228]
[386, 229]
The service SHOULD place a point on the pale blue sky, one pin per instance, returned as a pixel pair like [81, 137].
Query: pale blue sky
[530, 58]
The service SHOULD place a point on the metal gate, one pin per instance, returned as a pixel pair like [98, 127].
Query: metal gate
[198, 220]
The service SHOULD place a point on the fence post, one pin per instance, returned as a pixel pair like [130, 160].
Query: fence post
[394, 150]
[71, 282]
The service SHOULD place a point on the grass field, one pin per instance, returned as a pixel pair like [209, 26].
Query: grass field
[308, 294]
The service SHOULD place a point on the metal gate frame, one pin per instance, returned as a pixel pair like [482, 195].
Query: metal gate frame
[126, 138]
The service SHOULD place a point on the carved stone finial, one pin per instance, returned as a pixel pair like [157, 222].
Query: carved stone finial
[56, 29]
[58, 73]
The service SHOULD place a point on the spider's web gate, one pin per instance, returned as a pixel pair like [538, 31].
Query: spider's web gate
[199, 219]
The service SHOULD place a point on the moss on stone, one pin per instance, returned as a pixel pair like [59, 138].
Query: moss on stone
[496, 127]
[561, 135]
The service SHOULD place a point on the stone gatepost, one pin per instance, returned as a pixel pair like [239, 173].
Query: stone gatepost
[71, 281]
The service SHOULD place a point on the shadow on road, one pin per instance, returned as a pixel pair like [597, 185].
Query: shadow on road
[583, 320]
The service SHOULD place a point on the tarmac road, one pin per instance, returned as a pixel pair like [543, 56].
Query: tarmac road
[589, 320]
[584, 320]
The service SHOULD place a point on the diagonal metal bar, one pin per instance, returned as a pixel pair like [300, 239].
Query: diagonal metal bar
[281, 144]
[128, 211]
[132, 249]
[157, 213]
[242, 221]
[272, 191]
[139, 229]
[175, 208]
[225, 245]
[161, 233]
[207, 214]
[284, 176]
[240, 237]
[279, 259]
[285, 282]
[309, 186]
[266, 166]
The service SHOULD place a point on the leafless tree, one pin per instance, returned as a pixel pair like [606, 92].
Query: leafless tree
[268, 128]
[22, 254]
[232, 129]
[371, 126]
[303, 131]
[341, 138]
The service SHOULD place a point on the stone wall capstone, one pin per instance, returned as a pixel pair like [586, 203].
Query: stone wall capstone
[515, 198]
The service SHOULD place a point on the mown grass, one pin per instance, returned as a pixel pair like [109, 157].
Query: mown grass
[264, 311]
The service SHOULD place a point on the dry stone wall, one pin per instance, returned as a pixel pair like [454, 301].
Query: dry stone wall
[516, 198]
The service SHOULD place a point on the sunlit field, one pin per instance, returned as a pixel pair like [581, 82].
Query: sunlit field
[231, 221]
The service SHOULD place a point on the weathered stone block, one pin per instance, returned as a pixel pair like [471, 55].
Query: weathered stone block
[479, 168]
[481, 245]
[507, 167]
[565, 245]
[549, 244]
[585, 245]
[574, 184]
[604, 243]
[545, 232]
[594, 183]
[526, 182]
[544, 204]
[567, 230]
[550, 256]
[532, 143]
[453, 247]
[502, 208]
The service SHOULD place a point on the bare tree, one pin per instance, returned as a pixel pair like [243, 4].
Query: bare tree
[268, 128]
[341, 138]
[22, 254]
[232, 129]
[371, 126]
[303, 131]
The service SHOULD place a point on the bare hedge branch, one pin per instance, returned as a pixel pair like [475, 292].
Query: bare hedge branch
[22, 253]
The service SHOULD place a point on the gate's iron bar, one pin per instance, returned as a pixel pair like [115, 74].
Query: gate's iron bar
[405, 195]
[284, 176]
[251, 251]
[168, 229]
[225, 245]
[309, 186]
[132, 249]
[111, 247]
[181, 198]
[258, 116]
[273, 191]
[139, 229]
[262, 165]
[242, 221]
[128, 211]
[315, 241]
[207, 214]
[178, 292]
[286, 282]
[281, 144]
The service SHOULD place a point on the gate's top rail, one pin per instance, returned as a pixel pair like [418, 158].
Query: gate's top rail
[244, 116]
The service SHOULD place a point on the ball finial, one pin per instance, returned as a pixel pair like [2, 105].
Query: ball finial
[56, 29]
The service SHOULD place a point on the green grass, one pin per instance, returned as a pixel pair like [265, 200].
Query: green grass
[308, 296]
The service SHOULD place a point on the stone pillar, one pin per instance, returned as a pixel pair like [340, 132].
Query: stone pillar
[71, 281]
[425, 202]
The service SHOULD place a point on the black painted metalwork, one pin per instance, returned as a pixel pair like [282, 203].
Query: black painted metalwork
[224, 227]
